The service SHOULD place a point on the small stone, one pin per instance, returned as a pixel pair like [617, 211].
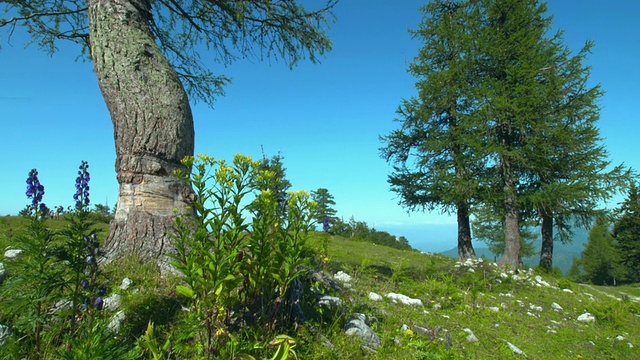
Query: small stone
[116, 321]
[374, 297]
[12, 253]
[494, 309]
[471, 270]
[516, 350]
[620, 338]
[112, 303]
[587, 317]
[404, 299]
[471, 337]
[330, 302]
[556, 307]
[126, 282]
[5, 332]
[567, 291]
[358, 328]
[535, 307]
[342, 276]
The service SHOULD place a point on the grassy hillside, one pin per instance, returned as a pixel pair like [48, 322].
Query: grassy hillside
[472, 310]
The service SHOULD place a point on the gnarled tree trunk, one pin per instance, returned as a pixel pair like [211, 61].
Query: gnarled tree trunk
[152, 122]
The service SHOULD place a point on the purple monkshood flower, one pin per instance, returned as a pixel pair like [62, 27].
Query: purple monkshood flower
[35, 191]
[84, 283]
[81, 196]
[325, 224]
[98, 303]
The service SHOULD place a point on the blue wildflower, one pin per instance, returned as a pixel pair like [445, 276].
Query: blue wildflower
[81, 196]
[84, 283]
[98, 303]
[325, 224]
[102, 290]
[35, 191]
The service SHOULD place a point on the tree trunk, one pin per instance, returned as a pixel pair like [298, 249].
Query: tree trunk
[546, 251]
[152, 123]
[511, 219]
[465, 248]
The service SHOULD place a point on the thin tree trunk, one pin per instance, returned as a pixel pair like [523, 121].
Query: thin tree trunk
[546, 251]
[152, 122]
[511, 219]
[465, 247]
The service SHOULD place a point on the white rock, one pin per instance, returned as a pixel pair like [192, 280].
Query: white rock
[541, 282]
[374, 297]
[112, 303]
[471, 337]
[342, 276]
[620, 338]
[494, 309]
[504, 275]
[330, 302]
[630, 345]
[126, 282]
[567, 291]
[12, 253]
[556, 307]
[535, 307]
[5, 332]
[471, 270]
[552, 332]
[586, 317]
[116, 320]
[516, 350]
[404, 299]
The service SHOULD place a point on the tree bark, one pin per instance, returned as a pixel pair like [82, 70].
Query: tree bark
[465, 247]
[511, 256]
[546, 250]
[152, 123]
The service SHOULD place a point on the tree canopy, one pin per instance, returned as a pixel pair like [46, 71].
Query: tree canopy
[192, 34]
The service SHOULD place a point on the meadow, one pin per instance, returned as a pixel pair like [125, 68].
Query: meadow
[470, 310]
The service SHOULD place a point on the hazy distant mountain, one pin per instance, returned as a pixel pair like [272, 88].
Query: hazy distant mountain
[562, 254]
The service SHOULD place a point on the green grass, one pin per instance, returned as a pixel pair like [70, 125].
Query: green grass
[454, 299]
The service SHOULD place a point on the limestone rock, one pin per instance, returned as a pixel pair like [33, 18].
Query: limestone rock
[374, 297]
[587, 317]
[358, 328]
[404, 299]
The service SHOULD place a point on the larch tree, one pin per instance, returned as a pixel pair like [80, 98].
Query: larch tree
[149, 57]
[626, 232]
[433, 166]
[548, 133]
[325, 203]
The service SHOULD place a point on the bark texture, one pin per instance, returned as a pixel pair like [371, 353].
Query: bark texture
[546, 251]
[152, 123]
[465, 248]
[511, 254]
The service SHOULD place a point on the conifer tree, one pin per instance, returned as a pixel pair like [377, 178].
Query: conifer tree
[433, 166]
[324, 207]
[626, 232]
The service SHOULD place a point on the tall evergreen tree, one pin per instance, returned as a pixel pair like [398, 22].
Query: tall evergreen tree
[600, 259]
[325, 205]
[540, 116]
[278, 184]
[148, 60]
[626, 232]
[433, 166]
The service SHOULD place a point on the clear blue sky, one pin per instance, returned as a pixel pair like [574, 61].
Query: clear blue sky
[324, 118]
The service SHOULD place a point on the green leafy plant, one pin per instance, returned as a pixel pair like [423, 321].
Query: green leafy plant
[221, 254]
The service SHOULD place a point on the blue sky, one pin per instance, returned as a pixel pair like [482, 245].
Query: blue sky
[325, 118]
